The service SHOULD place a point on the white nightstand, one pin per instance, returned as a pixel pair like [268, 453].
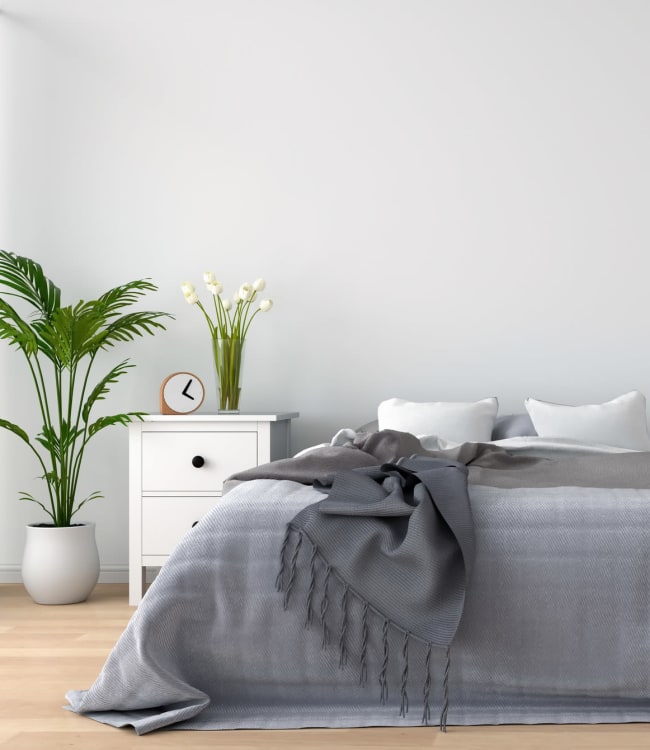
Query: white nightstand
[177, 466]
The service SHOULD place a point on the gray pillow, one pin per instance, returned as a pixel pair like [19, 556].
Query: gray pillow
[513, 425]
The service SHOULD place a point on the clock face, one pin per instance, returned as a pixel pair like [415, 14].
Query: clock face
[181, 393]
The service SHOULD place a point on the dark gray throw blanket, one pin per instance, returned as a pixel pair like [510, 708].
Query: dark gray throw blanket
[395, 532]
[398, 538]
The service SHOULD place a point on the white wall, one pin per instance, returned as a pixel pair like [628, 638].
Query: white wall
[449, 200]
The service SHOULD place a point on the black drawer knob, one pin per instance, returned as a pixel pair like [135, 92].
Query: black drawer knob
[198, 461]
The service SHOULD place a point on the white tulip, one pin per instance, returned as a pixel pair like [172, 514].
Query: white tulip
[245, 291]
[227, 304]
[266, 305]
[259, 285]
[215, 287]
[192, 298]
[187, 287]
[209, 277]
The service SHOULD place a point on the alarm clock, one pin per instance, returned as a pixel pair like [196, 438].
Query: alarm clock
[181, 393]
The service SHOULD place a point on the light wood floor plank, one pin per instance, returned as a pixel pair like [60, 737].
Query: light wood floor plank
[46, 651]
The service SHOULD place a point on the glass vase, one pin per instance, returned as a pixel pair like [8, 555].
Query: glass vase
[228, 361]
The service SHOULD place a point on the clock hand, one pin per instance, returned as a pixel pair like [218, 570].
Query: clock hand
[185, 393]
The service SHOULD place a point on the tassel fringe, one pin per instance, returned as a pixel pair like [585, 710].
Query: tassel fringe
[279, 581]
[445, 695]
[292, 570]
[404, 707]
[284, 583]
[312, 587]
[426, 714]
[363, 670]
[324, 605]
[343, 651]
[383, 683]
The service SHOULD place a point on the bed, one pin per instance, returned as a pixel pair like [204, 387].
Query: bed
[551, 603]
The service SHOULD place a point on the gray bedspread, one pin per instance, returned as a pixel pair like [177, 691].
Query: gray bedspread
[556, 625]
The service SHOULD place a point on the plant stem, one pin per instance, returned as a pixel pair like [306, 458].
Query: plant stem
[41, 393]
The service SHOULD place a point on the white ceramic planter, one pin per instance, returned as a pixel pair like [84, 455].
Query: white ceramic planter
[60, 563]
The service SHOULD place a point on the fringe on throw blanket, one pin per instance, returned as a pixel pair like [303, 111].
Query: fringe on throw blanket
[285, 582]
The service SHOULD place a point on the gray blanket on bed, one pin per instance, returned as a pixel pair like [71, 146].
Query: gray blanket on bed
[554, 628]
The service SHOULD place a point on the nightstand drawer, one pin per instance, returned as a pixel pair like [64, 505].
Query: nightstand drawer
[166, 520]
[167, 459]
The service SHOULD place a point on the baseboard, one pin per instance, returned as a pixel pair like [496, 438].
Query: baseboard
[10, 574]
[114, 574]
[107, 574]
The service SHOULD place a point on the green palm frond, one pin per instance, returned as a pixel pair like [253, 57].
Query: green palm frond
[124, 295]
[22, 495]
[16, 331]
[128, 327]
[55, 335]
[102, 388]
[7, 425]
[103, 422]
[27, 280]
[92, 496]
[51, 477]
[69, 333]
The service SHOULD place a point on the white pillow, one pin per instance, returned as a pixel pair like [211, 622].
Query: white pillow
[455, 421]
[621, 422]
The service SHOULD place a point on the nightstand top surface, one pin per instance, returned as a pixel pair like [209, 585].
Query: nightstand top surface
[241, 416]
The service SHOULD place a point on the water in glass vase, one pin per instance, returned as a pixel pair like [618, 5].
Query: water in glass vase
[228, 361]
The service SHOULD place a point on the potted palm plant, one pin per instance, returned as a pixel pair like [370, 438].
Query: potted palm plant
[60, 344]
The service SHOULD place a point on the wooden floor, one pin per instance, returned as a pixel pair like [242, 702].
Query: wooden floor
[45, 651]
